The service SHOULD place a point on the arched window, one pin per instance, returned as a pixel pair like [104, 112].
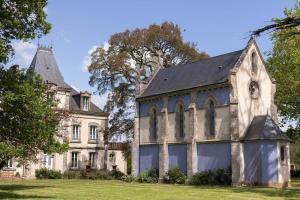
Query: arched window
[253, 63]
[211, 118]
[179, 120]
[153, 123]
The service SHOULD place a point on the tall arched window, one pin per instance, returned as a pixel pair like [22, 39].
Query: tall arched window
[153, 123]
[179, 120]
[253, 63]
[211, 118]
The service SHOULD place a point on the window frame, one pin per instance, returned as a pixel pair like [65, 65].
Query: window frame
[75, 159]
[93, 135]
[283, 154]
[179, 120]
[93, 160]
[77, 132]
[254, 66]
[85, 103]
[9, 164]
[212, 118]
[153, 123]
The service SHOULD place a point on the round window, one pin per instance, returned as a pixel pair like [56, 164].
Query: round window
[254, 89]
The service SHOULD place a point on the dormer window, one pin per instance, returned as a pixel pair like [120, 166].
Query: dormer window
[85, 103]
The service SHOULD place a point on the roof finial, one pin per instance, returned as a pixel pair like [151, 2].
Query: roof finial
[38, 42]
[51, 44]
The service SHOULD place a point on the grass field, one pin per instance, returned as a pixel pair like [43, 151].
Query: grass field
[117, 190]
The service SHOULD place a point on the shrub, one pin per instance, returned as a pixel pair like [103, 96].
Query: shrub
[212, 177]
[117, 174]
[175, 176]
[101, 175]
[295, 173]
[150, 176]
[45, 173]
[73, 174]
[128, 178]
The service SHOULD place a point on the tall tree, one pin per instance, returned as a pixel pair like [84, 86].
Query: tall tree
[28, 122]
[20, 20]
[290, 22]
[284, 65]
[132, 58]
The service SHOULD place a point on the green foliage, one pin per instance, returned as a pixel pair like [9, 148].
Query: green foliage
[132, 57]
[295, 173]
[295, 152]
[76, 174]
[28, 123]
[150, 176]
[45, 173]
[117, 174]
[95, 174]
[212, 177]
[128, 178]
[21, 20]
[175, 176]
[284, 65]
[290, 23]
[101, 175]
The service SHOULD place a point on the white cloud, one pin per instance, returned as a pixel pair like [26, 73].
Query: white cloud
[87, 59]
[24, 52]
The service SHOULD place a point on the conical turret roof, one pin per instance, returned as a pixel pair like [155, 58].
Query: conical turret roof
[45, 65]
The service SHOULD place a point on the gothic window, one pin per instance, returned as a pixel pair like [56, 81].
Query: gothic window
[253, 63]
[153, 123]
[179, 120]
[211, 114]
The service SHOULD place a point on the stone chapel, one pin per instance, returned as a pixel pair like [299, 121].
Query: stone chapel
[215, 113]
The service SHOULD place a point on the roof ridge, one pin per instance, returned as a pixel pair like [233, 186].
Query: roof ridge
[205, 59]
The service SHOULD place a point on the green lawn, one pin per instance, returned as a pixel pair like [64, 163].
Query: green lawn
[117, 190]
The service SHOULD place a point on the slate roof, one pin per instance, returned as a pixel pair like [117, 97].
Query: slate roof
[263, 127]
[75, 104]
[45, 65]
[208, 71]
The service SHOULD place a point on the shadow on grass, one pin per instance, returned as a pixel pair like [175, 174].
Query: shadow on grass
[8, 192]
[11, 195]
[289, 193]
[13, 187]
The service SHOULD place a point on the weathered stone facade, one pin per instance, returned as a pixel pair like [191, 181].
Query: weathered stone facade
[83, 128]
[245, 92]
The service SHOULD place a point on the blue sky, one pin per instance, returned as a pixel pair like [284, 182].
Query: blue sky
[216, 26]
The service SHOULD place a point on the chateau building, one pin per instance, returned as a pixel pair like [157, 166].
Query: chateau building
[83, 128]
[215, 113]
